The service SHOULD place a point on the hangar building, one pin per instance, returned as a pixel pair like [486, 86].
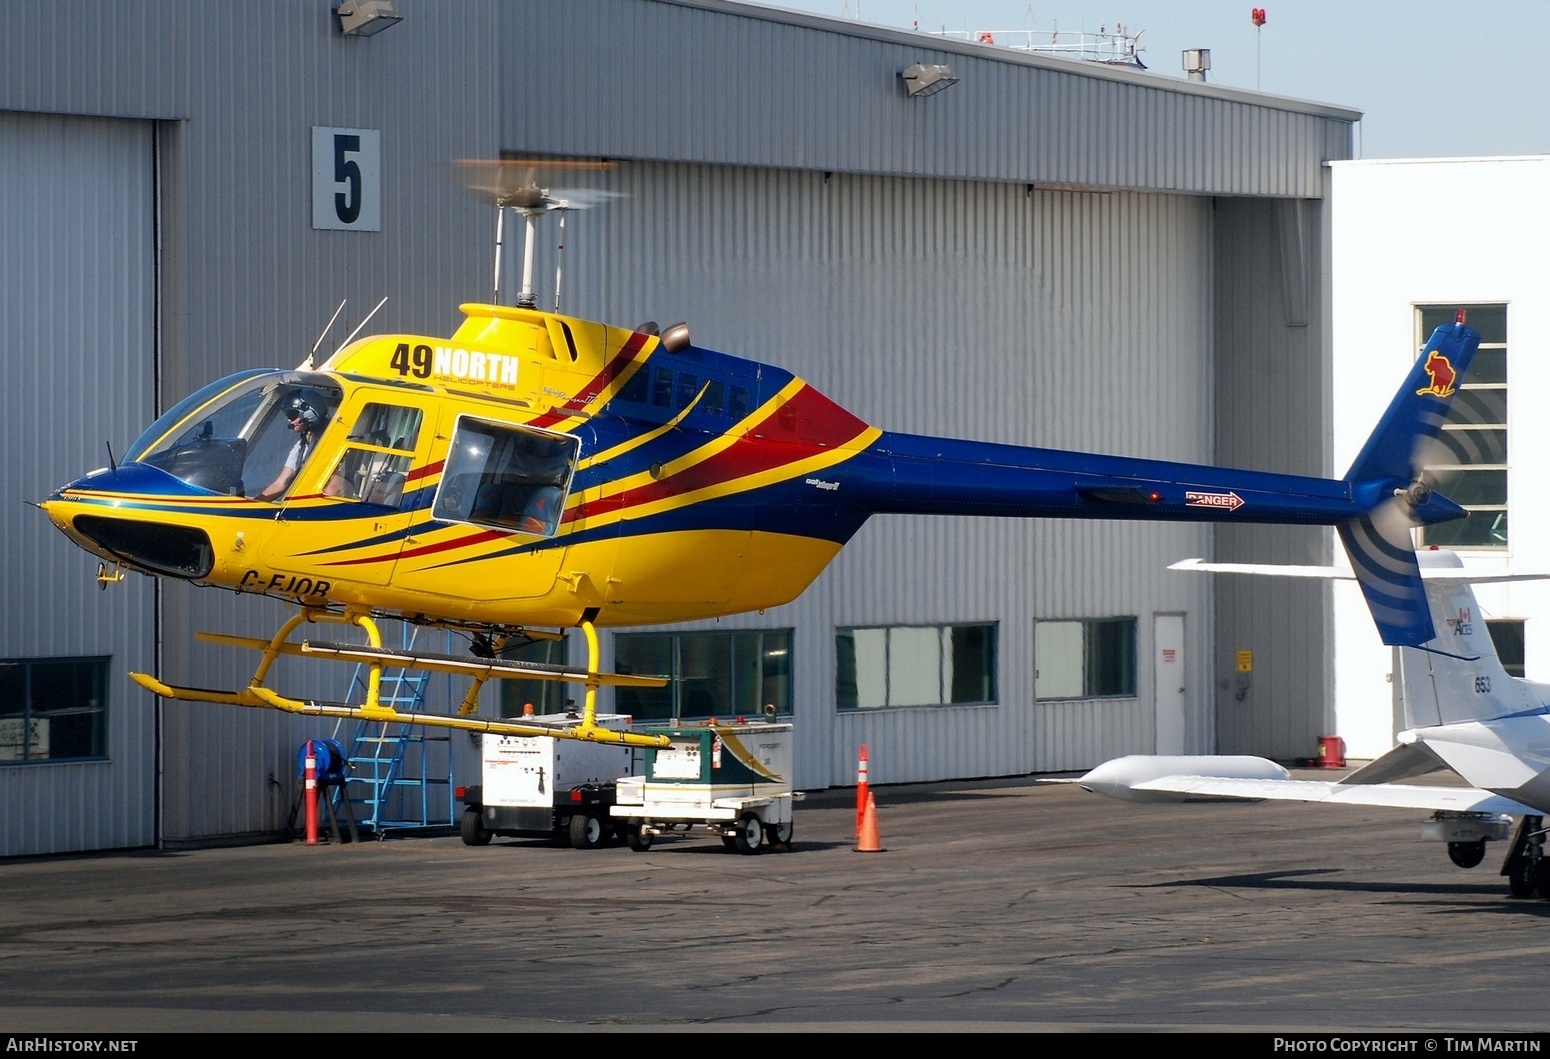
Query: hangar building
[1048, 252]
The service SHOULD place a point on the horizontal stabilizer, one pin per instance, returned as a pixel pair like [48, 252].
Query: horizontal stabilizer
[1432, 565]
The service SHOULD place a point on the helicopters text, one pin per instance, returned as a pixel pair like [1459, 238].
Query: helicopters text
[536, 471]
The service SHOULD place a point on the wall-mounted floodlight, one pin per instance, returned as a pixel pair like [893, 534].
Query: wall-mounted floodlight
[924, 79]
[366, 18]
[1196, 62]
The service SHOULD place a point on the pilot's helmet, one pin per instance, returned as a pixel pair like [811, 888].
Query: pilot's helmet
[309, 406]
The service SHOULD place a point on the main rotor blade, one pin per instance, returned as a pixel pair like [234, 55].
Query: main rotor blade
[523, 183]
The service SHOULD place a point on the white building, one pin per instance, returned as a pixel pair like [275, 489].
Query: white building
[1413, 241]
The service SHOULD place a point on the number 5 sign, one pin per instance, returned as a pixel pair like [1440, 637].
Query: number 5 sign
[347, 179]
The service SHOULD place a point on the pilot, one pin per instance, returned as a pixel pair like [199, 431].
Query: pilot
[307, 413]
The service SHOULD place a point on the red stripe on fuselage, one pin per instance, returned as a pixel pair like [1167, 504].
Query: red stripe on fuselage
[806, 425]
[423, 472]
[577, 404]
[429, 549]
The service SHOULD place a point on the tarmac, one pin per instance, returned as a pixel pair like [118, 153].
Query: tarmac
[992, 906]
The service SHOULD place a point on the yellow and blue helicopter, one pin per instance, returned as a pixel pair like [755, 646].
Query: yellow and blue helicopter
[535, 471]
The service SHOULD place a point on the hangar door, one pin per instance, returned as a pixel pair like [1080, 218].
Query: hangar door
[77, 324]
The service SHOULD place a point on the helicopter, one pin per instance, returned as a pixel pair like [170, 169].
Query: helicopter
[535, 471]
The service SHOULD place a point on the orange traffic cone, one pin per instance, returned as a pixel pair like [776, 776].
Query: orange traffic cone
[867, 840]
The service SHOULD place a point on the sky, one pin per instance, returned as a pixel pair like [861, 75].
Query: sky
[1432, 78]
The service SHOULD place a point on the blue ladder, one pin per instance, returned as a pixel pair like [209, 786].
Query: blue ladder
[392, 766]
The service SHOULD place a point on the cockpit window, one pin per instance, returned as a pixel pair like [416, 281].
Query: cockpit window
[506, 477]
[236, 436]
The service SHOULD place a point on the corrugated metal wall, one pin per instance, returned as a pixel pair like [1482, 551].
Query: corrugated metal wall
[77, 321]
[1272, 410]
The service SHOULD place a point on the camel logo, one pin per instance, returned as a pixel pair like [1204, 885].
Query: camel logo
[1443, 376]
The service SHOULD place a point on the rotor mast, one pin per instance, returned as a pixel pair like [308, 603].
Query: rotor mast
[514, 184]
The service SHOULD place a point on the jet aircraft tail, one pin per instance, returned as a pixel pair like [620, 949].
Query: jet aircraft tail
[1459, 676]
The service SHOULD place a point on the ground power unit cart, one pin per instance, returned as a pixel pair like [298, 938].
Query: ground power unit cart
[538, 786]
[732, 779]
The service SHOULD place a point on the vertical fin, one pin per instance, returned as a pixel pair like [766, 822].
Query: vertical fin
[1385, 567]
[1389, 474]
[1458, 676]
[1417, 412]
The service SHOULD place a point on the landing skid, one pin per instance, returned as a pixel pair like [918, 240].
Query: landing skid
[375, 656]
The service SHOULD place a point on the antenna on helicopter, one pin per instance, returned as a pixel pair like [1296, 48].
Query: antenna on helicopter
[351, 336]
[312, 357]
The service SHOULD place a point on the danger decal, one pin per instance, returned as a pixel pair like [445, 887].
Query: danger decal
[1224, 501]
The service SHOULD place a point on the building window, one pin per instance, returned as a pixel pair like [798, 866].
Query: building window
[1507, 635]
[545, 696]
[914, 665]
[712, 674]
[1093, 658]
[1471, 468]
[53, 709]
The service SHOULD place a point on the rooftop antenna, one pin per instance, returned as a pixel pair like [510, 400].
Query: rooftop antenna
[1257, 16]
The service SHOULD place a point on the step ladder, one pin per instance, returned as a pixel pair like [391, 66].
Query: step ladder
[400, 775]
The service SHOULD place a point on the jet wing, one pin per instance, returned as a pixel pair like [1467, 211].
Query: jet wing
[1149, 778]
[1387, 795]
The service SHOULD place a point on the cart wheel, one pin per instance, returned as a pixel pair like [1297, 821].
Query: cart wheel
[778, 837]
[471, 828]
[1466, 854]
[640, 841]
[750, 834]
[586, 831]
[729, 842]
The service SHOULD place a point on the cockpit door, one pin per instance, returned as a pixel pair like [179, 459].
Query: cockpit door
[496, 512]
